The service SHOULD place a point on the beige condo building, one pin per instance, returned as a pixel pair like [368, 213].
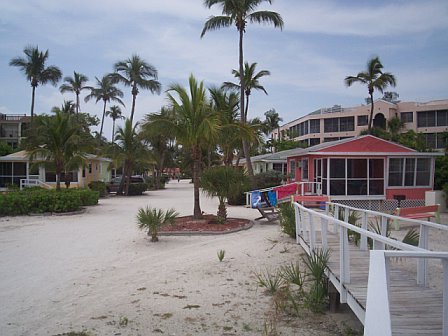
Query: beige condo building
[336, 123]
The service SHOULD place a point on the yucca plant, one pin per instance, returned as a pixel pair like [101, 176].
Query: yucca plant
[271, 281]
[153, 219]
[317, 262]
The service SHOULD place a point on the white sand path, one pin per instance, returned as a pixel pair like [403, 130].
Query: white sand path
[89, 271]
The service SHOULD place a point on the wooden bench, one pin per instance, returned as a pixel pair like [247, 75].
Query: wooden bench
[266, 209]
[311, 200]
[420, 212]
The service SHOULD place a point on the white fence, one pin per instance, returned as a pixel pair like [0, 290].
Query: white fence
[310, 222]
[27, 183]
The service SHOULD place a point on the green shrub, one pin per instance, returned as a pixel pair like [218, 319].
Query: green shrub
[288, 219]
[137, 189]
[445, 189]
[268, 179]
[38, 200]
[99, 186]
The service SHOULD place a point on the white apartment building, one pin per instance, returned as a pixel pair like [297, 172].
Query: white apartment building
[335, 123]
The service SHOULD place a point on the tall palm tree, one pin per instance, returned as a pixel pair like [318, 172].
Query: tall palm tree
[106, 91]
[75, 84]
[35, 70]
[239, 13]
[57, 143]
[136, 73]
[272, 121]
[115, 113]
[251, 82]
[373, 78]
[194, 125]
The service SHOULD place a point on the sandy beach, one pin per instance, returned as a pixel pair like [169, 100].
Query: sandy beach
[96, 272]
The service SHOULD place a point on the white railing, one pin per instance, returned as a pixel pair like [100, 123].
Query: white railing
[249, 193]
[378, 304]
[27, 183]
[308, 223]
[314, 188]
[385, 219]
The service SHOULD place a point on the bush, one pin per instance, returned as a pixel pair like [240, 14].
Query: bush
[445, 189]
[268, 179]
[38, 200]
[137, 189]
[99, 186]
[287, 219]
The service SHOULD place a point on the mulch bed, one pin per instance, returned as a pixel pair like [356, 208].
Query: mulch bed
[208, 224]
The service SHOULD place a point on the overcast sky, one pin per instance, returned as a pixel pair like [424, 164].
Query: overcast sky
[322, 42]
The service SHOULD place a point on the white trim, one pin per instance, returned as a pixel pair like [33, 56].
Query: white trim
[399, 154]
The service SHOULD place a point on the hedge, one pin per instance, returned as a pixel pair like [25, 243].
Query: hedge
[37, 200]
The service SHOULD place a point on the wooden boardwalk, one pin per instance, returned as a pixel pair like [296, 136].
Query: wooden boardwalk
[414, 309]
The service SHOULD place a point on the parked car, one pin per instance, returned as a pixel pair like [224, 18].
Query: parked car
[114, 183]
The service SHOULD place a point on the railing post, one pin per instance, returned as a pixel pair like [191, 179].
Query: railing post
[312, 232]
[445, 297]
[344, 266]
[324, 232]
[335, 215]
[298, 222]
[363, 239]
[422, 263]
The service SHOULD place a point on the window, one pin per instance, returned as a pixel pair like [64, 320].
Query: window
[90, 168]
[442, 118]
[426, 119]
[430, 140]
[347, 124]
[314, 141]
[407, 117]
[305, 169]
[409, 172]
[315, 126]
[441, 141]
[292, 169]
[363, 120]
[331, 125]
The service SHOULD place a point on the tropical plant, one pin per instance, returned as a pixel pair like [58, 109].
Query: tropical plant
[75, 84]
[270, 280]
[373, 78]
[115, 113]
[292, 274]
[221, 254]
[194, 125]
[223, 182]
[5, 149]
[130, 151]
[138, 74]
[57, 143]
[288, 219]
[272, 121]
[36, 71]
[106, 91]
[317, 262]
[239, 13]
[251, 82]
[66, 107]
[153, 219]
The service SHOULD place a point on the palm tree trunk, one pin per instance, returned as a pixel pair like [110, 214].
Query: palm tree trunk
[134, 96]
[369, 129]
[246, 150]
[102, 119]
[247, 108]
[197, 213]
[32, 102]
[113, 130]
[77, 103]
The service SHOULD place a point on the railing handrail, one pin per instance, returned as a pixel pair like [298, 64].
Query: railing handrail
[33, 182]
[270, 188]
[374, 236]
[393, 217]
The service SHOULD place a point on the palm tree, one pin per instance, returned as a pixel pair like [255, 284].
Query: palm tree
[115, 113]
[131, 151]
[374, 78]
[66, 107]
[194, 126]
[251, 82]
[239, 13]
[106, 91]
[272, 121]
[153, 219]
[75, 84]
[57, 143]
[136, 73]
[35, 70]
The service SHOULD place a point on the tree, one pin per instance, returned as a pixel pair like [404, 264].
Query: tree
[223, 182]
[153, 219]
[67, 107]
[373, 78]
[106, 91]
[35, 70]
[130, 152]
[137, 74]
[251, 82]
[239, 13]
[75, 84]
[272, 121]
[57, 143]
[194, 125]
[115, 113]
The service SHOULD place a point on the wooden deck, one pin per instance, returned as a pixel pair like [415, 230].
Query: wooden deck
[414, 309]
